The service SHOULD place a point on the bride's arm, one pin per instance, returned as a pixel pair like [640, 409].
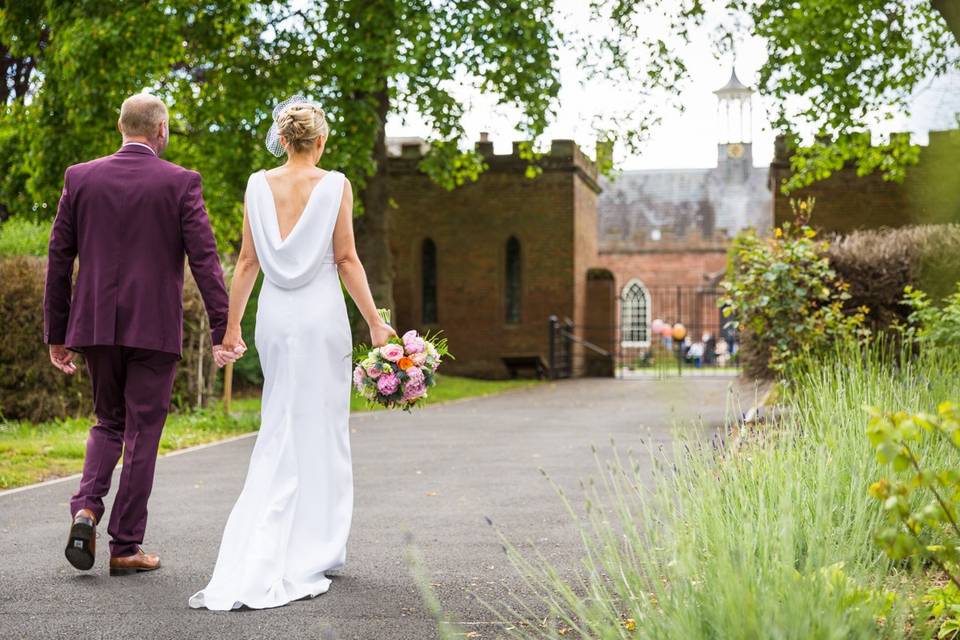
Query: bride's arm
[244, 278]
[351, 270]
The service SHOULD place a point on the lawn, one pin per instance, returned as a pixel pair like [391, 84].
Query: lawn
[35, 452]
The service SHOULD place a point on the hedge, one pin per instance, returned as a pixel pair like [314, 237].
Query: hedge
[879, 264]
[31, 389]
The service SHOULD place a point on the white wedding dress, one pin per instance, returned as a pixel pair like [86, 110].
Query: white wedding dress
[291, 521]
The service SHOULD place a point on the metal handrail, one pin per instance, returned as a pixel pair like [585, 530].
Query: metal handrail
[586, 343]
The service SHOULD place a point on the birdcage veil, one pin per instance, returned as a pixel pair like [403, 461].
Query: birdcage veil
[273, 135]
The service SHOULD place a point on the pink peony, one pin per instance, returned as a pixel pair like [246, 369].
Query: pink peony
[388, 384]
[413, 343]
[415, 374]
[391, 352]
[413, 390]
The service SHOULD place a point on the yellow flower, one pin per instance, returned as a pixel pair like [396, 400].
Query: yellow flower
[778, 233]
[630, 624]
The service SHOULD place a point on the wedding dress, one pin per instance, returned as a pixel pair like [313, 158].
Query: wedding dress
[291, 521]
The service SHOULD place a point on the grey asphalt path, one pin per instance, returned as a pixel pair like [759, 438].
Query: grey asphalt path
[431, 477]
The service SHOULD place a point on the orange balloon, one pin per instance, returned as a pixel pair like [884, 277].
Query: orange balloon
[679, 331]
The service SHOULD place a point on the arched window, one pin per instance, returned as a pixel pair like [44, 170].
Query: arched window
[513, 281]
[428, 282]
[635, 314]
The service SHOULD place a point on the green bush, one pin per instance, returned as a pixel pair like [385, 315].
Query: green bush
[878, 265]
[921, 501]
[786, 299]
[31, 389]
[930, 324]
[21, 237]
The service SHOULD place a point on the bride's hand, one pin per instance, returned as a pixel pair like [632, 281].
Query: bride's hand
[380, 333]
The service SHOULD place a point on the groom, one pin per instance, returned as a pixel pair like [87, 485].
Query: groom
[130, 217]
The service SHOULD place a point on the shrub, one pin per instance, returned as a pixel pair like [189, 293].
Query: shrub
[927, 323]
[21, 237]
[879, 264]
[785, 298]
[31, 389]
[922, 501]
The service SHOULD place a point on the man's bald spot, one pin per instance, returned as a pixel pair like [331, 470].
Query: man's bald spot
[141, 115]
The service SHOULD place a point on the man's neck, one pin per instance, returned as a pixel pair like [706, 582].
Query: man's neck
[142, 141]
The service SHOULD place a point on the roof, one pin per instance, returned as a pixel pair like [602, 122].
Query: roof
[733, 86]
[651, 209]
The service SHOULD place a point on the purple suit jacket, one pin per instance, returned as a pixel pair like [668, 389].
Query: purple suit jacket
[131, 217]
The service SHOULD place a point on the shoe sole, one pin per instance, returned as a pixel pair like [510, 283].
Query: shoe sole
[79, 549]
[129, 572]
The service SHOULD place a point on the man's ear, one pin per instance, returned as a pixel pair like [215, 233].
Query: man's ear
[118, 127]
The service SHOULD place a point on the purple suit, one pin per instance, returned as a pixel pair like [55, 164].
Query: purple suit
[131, 218]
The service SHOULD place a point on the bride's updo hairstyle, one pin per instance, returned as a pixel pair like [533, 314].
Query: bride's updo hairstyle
[301, 124]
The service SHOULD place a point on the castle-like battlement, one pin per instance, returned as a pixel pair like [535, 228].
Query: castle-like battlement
[563, 155]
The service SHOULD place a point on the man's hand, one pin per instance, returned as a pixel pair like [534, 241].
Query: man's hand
[62, 358]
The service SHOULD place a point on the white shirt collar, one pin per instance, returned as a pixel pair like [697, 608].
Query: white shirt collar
[127, 144]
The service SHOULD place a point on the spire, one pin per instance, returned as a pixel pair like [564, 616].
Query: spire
[733, 88]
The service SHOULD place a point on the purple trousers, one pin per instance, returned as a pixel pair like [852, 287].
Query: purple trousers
[131, 396]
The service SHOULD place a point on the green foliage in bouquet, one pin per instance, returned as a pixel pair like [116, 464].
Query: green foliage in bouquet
[785, 298]
[921, 503]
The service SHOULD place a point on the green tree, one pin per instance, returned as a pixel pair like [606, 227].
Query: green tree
[834, 67]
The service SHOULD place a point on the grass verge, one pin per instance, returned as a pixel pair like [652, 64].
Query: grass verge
[32, 453]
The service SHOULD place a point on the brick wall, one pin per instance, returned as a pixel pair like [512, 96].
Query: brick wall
[930, 192]
[661, 273]
[554, 218]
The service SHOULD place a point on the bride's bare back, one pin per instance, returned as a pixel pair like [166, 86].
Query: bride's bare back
[291, 189]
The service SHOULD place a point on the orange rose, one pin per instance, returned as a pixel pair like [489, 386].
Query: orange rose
[405, 363]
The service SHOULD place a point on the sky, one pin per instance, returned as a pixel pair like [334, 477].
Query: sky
[683, 139]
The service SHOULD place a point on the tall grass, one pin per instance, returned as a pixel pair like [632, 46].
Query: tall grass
[765, 535]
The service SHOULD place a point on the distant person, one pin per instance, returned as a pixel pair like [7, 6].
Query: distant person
[131, 218]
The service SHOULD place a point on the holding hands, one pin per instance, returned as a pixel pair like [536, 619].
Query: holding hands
[231, 349]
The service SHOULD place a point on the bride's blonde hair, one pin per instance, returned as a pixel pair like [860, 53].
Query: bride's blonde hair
[301, 124]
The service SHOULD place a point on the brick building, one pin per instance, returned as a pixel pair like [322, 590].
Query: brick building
[491, 261]
[930, 192]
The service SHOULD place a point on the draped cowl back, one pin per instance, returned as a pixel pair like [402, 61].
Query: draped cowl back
[294, 261]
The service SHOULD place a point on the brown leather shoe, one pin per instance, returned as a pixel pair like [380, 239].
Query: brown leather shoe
[137, 563]
[82, 542]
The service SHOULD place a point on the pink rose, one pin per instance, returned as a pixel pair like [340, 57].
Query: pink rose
[391, 352]
[413, 343]
[358, 376]
[373, 372]
[419, 358]
[388, 384]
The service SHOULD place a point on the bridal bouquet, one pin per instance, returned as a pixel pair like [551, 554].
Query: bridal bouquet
[399, 373]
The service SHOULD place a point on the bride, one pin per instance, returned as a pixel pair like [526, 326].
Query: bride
[291, 521]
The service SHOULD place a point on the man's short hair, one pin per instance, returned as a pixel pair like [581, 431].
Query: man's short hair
[141, 114]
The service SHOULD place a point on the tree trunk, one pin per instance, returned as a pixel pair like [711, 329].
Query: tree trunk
[373, 227]
[950, 10]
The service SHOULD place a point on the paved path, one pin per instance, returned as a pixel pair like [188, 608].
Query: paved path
[433, 475]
